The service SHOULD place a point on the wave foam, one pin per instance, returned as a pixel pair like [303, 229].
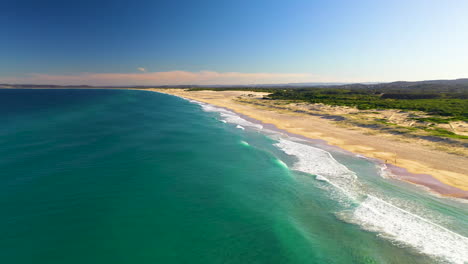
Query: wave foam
[321, 178]
[314, 160]
[228, 116]
[281, 163]
[402, 226]
[320, 162]
[375, 214]
[244, 143]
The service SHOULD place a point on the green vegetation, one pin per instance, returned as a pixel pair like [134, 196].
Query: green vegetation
[440, 132]
[436, 120]
[451, 105]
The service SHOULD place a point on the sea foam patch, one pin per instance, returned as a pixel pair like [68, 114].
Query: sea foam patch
[314, 160]
[321, 163]
[377, 215]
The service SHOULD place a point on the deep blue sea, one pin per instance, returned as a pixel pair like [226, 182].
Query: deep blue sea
[126, 176]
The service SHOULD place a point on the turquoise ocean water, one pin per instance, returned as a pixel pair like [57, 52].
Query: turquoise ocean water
[122, 176]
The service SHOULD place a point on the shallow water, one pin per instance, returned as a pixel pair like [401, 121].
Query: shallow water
[121, 176]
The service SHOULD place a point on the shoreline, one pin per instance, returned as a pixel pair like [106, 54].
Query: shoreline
[447, 182]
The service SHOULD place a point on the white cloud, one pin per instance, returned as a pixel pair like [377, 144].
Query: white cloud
[141, 69]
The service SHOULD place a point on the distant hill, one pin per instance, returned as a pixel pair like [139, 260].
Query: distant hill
[458, 85]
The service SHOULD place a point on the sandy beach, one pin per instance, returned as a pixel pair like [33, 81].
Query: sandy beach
[440, 171]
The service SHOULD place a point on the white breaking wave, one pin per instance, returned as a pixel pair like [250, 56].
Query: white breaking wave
[240, 127]
[233, 118]
[383, 171]
[375, 214]
[321, 178]
[314, 160]
[320, 162]
[228, 116]
[245, 143]
[393, 222]
[282, 164]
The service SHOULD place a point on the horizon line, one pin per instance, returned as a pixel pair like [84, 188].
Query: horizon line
[225, 85]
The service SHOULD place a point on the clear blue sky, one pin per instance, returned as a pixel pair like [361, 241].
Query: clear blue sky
[105, 42]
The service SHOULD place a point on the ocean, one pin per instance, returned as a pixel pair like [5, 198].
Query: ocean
[127, 176]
